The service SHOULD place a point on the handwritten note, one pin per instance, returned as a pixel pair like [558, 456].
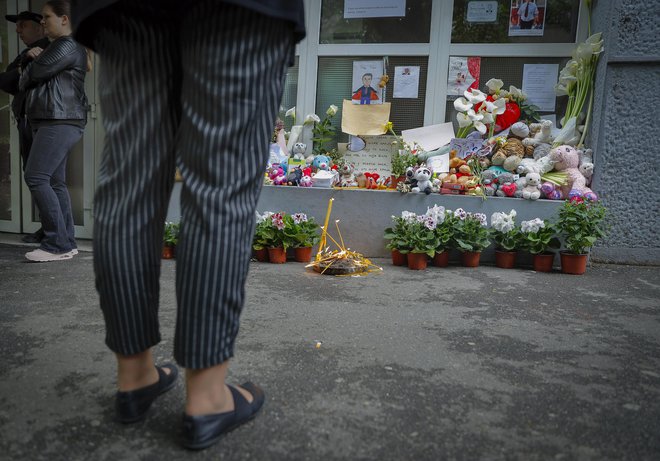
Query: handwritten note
[376, 157]
[539, 82]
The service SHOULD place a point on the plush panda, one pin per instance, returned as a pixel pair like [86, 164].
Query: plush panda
[423, 176]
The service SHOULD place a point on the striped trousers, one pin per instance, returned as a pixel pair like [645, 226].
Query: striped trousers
[197, 87]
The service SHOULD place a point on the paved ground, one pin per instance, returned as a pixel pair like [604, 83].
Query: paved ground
[459, 364]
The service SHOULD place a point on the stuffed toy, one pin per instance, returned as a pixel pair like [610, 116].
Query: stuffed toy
[540, 166]
[509, 155]
[298, 151]
[567, 159]
[275, 170]
[586, 166]
[532, 189]
[519, 130]
[361, 180]
[410, 177]
[540, 151]
[423, 176]
[539, 133]
[372, 180]
[507, 185]
[321, 162]
[347, 176]
[294, 175]
[489, 181]
[305, 181]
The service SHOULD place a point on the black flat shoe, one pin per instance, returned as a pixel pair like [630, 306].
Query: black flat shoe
[132, 406]
[203, 431]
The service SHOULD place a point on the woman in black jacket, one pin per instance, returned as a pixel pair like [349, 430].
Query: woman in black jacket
[56, 109]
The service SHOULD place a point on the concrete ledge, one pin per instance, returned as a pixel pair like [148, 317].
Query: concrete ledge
[364, 214]
[635, 256]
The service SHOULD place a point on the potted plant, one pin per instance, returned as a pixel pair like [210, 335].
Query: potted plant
[275, 239]
[581, 224]
[471, 236]
[303, 234]
[260, 240]
[444, 233]
[396, 235]
[506, 237]
[170, 239]
[539, 237]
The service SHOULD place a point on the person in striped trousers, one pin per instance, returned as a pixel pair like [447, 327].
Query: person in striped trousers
[194, 84]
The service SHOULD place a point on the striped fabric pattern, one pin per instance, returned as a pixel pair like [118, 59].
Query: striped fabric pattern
[198, 88]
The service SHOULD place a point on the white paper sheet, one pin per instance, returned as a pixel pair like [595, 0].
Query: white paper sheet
[406, 82]
[481, 11]
[374, 8]
[539, 82]
[430, 137]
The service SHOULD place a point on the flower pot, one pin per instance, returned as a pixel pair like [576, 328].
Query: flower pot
[168, 252]
[505, 259]
[277, 255]
[470, 258]
[542, 262]
[417, 261]
[575, 264]
[302, 254]
[398, 258]
[261, 255]
[441, 259]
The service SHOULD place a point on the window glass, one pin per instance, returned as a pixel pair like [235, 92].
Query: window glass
[335, 85]
[290, 94]
[510, 71]
[414, 27]
[555, 22]
[5, 120]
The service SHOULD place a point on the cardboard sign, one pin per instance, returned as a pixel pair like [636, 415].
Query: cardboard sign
[376, 157]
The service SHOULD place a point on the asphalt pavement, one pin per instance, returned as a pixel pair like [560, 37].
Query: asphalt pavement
[447, 363]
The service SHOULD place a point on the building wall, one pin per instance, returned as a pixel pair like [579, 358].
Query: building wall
[626, 128]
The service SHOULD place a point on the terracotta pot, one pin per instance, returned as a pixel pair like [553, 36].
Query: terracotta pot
[277, 255]
[417, 261]
[505, 259]
[168, 252]
[470, 258]
[573, 264]
[261, 255]
[302, 254]
[543, 262]
[441, 259]
[398, 258]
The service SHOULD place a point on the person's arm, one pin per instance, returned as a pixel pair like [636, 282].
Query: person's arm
[9, 78]
[57, 57]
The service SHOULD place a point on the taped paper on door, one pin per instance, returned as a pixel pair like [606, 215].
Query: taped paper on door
[368, 119]
[430, 137]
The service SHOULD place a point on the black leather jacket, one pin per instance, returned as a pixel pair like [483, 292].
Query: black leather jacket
[55, 82]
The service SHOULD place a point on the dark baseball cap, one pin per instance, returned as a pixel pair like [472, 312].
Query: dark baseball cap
[24, 16]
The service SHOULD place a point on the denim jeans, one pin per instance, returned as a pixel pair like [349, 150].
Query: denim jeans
[45, 175]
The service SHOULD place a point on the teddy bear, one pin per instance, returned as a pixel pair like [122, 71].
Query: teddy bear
[567, 159]
[539, 133]
[298, 151]
[347, 175]
[507, 185]
[519, 130]
[423, 177]
[586, 166]
[489, 181]
[509, 155]
[321, 162]
[541, 166]
[532, 189]
[274, 171]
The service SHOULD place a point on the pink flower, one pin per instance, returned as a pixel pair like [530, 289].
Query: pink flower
[278, 221]
[299, 218]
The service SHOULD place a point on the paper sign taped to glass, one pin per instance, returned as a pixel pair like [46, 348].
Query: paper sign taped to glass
[367, 119]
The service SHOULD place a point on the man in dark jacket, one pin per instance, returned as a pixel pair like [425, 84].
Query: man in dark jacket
[31, 32]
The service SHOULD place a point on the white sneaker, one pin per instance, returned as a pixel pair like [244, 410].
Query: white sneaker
[42, 256]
